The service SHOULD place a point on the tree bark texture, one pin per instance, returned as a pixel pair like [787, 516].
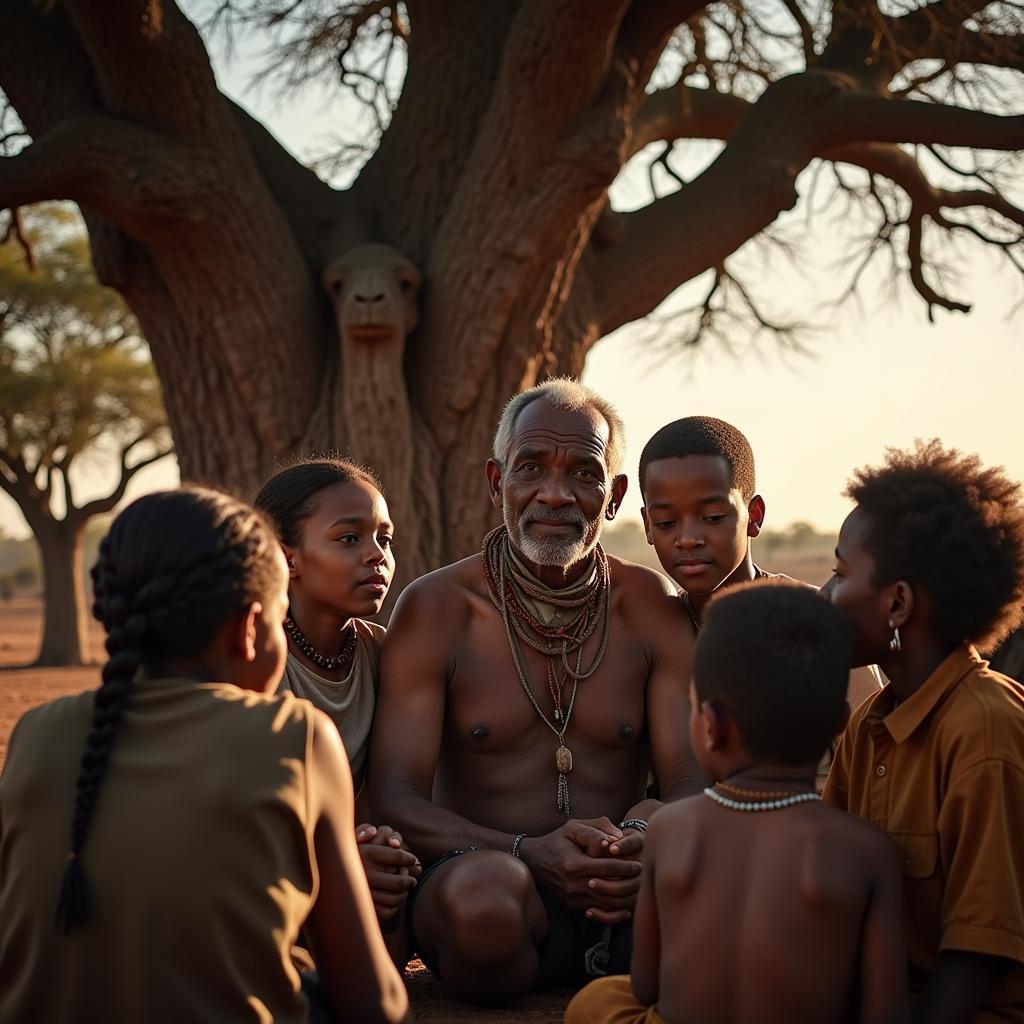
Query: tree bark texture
[492, 178]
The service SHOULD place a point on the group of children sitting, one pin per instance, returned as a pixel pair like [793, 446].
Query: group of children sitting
[226, 838]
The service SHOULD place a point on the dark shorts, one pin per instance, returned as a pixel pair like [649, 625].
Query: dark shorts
[575, 950]
[319, 1011]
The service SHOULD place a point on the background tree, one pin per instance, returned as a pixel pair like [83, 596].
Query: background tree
[75, 382]
[276, 325]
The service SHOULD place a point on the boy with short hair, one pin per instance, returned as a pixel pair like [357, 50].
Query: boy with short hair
[701, 511]
[758, 904]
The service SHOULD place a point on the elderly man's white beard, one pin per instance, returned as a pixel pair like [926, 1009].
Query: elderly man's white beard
[562, 552]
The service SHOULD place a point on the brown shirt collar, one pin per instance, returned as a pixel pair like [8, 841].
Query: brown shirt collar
[904, 719]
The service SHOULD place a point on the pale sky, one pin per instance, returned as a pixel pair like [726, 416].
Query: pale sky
[876, 378]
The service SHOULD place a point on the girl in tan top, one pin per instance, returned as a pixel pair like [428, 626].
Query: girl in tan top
[337, 536]
[208, 821]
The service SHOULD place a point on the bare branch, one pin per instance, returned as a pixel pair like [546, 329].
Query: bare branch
[726, 312]
[99, 506]
[924, 289]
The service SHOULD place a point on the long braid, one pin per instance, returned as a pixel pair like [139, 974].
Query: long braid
[173, 612]
[124, 638]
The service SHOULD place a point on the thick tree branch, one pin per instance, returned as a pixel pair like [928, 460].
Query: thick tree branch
[547, 36]
[686, 112]
[646, 29]
[145, 57]
[436, 113]
[99, 506]
[681, 235]
[19, 483]
[44, 71]
[683, 111]
[140, 179]
[864, 118]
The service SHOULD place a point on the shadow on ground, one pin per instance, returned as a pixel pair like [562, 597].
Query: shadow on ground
[431, 1006]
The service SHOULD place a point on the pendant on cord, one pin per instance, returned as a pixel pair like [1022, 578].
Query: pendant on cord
[563, 762]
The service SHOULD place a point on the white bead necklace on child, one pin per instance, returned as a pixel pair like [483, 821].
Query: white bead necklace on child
[759, 805]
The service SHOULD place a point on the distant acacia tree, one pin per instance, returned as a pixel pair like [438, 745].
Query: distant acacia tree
[75, 382]
[285, 314]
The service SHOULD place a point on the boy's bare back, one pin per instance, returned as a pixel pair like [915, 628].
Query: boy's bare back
[767, 916]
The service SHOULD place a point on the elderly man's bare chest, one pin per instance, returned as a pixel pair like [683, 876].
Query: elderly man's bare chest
[497, 697]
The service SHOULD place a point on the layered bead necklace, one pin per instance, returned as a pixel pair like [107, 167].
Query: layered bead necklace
[576, 612]
[332, 664]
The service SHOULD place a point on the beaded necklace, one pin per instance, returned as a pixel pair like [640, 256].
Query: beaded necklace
[332, 664]
[513, 591]
[777, 802]
[759, 574]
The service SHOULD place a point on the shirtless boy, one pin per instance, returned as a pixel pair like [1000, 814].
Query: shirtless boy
[758, 904]
[526, 692]
[701, 512]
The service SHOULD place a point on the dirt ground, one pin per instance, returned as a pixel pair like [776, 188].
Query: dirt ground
[22, 688]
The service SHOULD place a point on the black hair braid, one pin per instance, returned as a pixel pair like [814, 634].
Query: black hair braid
[125, 633]
[175, 612]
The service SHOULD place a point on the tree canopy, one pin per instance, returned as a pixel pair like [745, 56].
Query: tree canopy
[285, 313]
[75, 383]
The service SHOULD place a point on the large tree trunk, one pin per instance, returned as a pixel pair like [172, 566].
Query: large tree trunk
[65, 622]
[492, 178]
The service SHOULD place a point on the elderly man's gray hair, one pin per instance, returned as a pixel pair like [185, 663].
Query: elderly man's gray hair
[572, 396]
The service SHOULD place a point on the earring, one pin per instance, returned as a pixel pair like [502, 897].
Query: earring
[895, 644]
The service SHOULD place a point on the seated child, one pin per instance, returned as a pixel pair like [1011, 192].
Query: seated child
[198, 821]
[757, 903]
[337, 536]
[701, 511]
[930, 563]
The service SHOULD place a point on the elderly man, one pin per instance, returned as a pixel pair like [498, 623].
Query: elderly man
[526, 693]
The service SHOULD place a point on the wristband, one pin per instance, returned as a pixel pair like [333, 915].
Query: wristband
[515, 844]
[638, 823]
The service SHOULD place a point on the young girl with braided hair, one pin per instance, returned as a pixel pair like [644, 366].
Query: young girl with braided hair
[209, 819]
[338, 539]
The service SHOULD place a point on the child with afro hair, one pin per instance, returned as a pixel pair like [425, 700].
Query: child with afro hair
[929, 566]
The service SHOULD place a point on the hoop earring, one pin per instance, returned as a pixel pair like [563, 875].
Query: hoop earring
[895, 644]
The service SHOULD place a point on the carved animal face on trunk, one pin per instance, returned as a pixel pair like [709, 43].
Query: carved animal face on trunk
[375, 291]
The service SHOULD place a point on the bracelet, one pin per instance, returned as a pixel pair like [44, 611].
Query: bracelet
[515, 844]
[638, 823]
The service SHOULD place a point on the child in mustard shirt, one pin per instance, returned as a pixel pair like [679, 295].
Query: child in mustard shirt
[929, 564]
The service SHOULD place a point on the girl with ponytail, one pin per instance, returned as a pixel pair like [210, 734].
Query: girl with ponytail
[338, 540]
[164, 838]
